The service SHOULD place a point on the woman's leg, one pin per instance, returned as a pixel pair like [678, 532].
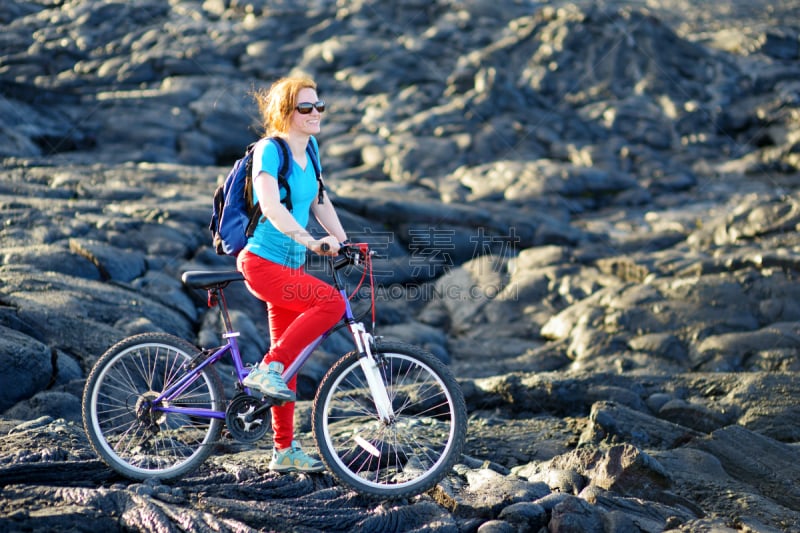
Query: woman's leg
[316, 305]
[280, 319]
[301, 308]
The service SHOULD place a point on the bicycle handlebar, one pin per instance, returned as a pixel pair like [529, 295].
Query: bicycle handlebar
[349, 254]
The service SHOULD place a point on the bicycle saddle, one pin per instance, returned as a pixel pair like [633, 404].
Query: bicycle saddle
[210, 279]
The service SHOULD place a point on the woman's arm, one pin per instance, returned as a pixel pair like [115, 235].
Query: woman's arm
[328, 219]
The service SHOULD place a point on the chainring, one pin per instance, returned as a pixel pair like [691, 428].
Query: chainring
[239, 419]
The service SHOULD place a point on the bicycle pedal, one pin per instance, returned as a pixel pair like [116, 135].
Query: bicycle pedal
[268, 401]
[273, 401]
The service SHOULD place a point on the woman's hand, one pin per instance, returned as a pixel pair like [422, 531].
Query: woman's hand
[325, 246]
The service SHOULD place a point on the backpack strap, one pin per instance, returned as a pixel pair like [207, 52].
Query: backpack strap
[254, 210]
[283, 170]
[313, 153]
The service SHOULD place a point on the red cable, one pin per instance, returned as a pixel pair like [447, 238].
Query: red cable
[364, 249]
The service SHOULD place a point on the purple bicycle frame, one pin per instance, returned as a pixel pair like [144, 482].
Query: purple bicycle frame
[232, 346]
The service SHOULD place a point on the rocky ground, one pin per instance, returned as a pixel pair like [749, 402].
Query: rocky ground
[590, 212]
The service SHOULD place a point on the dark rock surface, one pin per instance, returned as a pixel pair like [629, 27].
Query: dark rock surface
[590, 211]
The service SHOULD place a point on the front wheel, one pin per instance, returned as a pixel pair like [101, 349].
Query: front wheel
[133, 433]
[406, 455]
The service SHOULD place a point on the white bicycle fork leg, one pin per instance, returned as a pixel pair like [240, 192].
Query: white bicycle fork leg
[373, 374]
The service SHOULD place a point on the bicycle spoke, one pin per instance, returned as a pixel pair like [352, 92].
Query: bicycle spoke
[405, 454]
[132, 431]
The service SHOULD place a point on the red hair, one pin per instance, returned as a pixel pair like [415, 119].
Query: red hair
[277, 104]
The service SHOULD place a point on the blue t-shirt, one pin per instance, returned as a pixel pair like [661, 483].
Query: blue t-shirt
[267, 241]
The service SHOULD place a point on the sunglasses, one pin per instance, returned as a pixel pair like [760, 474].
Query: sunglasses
[304, 108]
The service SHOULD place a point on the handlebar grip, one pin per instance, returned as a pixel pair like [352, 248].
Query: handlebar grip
[325, 247]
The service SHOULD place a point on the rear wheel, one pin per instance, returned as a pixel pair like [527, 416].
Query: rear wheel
[412, 452]
[133, 434]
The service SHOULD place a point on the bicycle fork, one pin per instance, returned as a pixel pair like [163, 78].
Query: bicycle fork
[364, 344]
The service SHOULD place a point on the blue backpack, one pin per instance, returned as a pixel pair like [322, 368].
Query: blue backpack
[235, 216]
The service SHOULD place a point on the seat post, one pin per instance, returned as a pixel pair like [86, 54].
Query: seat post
[223, 309]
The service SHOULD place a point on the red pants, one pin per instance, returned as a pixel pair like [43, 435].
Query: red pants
[300, 308]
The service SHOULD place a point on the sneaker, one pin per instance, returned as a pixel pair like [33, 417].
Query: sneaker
[266, 378]
[294, 459]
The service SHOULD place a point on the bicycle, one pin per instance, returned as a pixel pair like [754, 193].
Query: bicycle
[388, 418]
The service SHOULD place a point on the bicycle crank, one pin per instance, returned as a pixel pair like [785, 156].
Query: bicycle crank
[245, 420]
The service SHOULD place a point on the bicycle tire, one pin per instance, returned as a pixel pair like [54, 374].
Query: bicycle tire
[407, 456]
[139, 442]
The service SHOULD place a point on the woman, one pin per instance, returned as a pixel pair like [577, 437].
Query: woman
[300, 307]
